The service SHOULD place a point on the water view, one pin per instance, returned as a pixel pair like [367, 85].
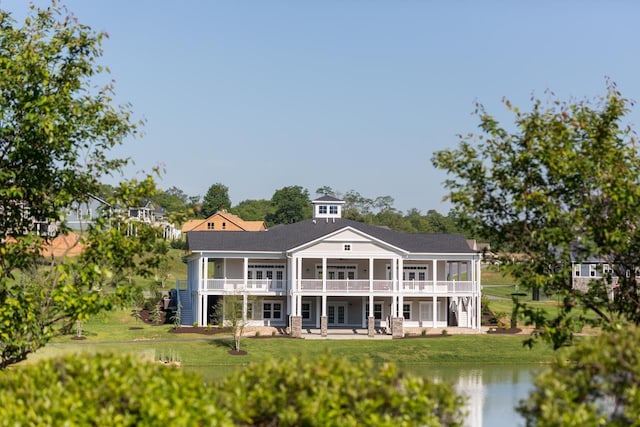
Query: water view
[493, 390]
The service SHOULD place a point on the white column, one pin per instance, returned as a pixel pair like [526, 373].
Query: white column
[245, 303]
[435, 273]
[318, 310]
[324, 274]
[201, 274]
[478, 288]
[294, 286]
[400, 274]
[245, 272]
[205, 272]
[400, 305]
[370, 274]
[203, 304]
[435, 310]
[394, 274]
[324, 305]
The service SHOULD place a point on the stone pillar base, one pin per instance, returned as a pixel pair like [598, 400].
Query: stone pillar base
[323, 326]
[397, 327]
[296, 326]
[371, 326]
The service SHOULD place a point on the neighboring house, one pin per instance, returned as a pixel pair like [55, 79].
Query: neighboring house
[156, 216]
[81, 215]
[330, 272]
[223, 221]
[593, 269]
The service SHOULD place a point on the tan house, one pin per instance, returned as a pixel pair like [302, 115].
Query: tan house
[223, 221]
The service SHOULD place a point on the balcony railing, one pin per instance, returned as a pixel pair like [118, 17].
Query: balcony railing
[257, 285]
[315, 286]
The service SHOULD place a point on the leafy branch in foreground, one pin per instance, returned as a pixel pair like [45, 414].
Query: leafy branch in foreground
[56, 130]
[563, 187]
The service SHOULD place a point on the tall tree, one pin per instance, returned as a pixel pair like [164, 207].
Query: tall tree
[563, 186]
[290, 204]
[216, 199]
[56, 130]
[253, 210]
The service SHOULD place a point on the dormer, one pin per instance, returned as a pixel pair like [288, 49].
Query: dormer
[327, 207]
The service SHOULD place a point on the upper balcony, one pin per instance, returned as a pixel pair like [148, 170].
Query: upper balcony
[343, 286]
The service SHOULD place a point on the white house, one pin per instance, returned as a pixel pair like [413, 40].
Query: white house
[330, 272]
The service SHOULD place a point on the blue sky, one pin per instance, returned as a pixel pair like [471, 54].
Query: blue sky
[355, 95]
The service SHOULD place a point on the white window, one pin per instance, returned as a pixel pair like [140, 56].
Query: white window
[272, 310]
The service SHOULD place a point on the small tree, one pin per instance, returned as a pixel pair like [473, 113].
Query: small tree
[232, 314]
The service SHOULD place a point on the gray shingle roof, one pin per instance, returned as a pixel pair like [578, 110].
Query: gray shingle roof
[328, 198]
[286, 237]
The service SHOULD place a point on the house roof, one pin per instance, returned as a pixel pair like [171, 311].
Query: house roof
[286, 237]
[234, 219]
[327, 198]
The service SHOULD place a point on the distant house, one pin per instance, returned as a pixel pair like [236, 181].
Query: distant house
[587, 271]
[223, 221]
[330, 272]
[81, 215]
[155, 215]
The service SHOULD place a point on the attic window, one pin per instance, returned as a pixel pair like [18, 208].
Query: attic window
[347, 247]
[211, 225]
[224, 225]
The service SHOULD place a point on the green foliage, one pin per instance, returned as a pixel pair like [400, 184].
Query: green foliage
[597, 383]
[253, 210]
[216, 199]
[230, 309]
[290, 204]
[332, 391]
[564, 186]
[105, 390]
[56, 130]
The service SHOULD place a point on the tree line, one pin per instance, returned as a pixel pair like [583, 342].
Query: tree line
[293, 203]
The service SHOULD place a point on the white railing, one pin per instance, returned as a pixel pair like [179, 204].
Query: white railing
[423, 287]
[257, 285]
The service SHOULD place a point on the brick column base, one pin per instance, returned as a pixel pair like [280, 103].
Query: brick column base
[397, 327]
[296, 326]
[371, 326]
[323, 326]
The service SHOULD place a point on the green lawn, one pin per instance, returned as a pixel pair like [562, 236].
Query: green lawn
[120, 332]
[209, 354]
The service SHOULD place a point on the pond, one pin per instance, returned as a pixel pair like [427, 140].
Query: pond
[493, 391]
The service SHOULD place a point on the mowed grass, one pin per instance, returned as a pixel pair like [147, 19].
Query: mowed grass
[209, 355]
[119, 332]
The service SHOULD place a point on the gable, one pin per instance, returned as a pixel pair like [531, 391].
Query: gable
[347, 243]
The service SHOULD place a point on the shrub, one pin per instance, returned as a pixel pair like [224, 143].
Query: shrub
[105, 390]
[333, 391]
